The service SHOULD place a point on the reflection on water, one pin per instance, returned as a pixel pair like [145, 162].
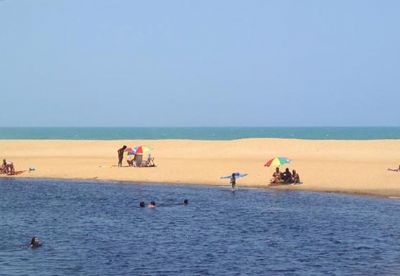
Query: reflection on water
[98, 229]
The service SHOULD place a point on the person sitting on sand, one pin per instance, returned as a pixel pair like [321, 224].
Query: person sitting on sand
[131, 162]
[296, 177]
[150, 161]
[152, 205]
[35, 243]
[276, 177]
[287, 177]
[8, 167]
[3, 168]
[394, 170]
[121, 155]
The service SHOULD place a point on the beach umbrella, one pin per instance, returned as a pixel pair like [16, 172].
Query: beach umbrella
[139, 150]
[277, 161]
[237, 175]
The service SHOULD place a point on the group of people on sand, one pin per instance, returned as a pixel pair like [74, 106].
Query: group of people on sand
[136, 160]
[7, 167]
[285, 177]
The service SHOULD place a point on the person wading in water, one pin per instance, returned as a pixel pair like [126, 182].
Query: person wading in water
[233, 181]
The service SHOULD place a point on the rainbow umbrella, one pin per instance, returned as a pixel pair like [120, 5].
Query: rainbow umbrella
[277, 161]
[139, 150]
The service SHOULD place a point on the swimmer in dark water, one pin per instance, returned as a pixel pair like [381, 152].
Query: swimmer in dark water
[152, 205]
[141, 204]
[185, 202]
[34, 243]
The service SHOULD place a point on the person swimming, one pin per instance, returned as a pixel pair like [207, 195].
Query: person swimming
[152, 205]
[185, 202]
[35, 242]
[142, 204]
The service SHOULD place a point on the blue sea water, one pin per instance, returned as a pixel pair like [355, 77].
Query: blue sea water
[92, 228]
[201, 133]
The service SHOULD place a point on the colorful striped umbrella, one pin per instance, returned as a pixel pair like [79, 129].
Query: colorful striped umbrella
[277, 161]
[138, 150]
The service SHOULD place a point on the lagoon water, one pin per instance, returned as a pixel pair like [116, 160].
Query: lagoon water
[97, 228]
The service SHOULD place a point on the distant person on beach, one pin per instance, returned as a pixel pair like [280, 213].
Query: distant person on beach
[233, 181]
[34, 243]
[3, 167]
[121, 155]
[131, 162]
[287, 176]
[8, 167]
[276, 177]
[150, 161]
[296, 177]
[152, 205]
[395, 170]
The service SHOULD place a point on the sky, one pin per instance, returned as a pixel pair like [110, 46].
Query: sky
[199, 63]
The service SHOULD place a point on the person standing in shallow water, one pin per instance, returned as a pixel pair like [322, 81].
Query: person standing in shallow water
[121, 155]
[233, 181]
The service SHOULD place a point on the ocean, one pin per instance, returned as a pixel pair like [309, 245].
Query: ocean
[97, 228]
[200, 133]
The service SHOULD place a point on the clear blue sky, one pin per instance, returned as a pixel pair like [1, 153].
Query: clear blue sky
[199, 63]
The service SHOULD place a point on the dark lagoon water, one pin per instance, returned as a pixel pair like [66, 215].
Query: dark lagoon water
[200, 133]
[91, 228]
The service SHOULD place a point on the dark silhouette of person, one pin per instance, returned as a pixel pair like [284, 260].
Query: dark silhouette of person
[233, 181]
[287, 176]
[121, 155]
[34, 242]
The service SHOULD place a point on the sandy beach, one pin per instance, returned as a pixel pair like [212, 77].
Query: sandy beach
[330, 166]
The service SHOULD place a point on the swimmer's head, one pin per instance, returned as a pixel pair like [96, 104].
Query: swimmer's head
[141, 204]
[186, 202]
[153, 203]
[34, 242]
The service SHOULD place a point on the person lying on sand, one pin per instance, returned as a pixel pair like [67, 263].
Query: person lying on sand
[395, 170]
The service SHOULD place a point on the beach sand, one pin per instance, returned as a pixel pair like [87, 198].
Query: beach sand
[330, 166]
